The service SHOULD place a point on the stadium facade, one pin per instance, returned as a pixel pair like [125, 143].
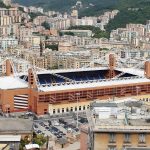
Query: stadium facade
[42, 91]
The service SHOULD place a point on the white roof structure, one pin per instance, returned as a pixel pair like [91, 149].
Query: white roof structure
[31, 146]
[44, 71]
[133, 71]
[94, 84]
[10, 138]
[10, 82]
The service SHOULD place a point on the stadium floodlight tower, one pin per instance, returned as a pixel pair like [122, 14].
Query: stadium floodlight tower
[112, 65]
[9, 69]
[77, 94]
[147, 69]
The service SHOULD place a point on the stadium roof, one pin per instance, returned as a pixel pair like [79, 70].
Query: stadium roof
[94, 84]
[10, 82]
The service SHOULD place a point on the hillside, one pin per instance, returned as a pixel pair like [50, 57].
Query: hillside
[96, 7]
[131, 11]
[2, 5]
[90, 7]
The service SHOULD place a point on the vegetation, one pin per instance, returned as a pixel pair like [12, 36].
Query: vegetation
[125, 16]
[34, 15]
[37, 139]
[65, 5]
[53, 47]
[21, 9]
[137, 12]
[23, 142]
[97, 33]
[2, 5]
[46, 25]
[66, 33]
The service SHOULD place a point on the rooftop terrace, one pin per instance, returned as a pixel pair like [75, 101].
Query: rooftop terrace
[119, 121]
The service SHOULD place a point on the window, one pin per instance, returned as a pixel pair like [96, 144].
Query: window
[62, 110]
[75, 108]
[79, 107]
[112, 137]
[71, 109]
[83, 107]
[45, 111]
[127, 138]
[58, 111]
[142, 138]
[53, 111]
[67, 109]
[111, 148]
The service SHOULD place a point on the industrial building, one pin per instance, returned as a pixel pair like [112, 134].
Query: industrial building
[57, 91]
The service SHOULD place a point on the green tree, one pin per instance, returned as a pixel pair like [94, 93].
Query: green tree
[39, 139]
[66, 33]
[53, 47]
[46, 25]
[96, 31]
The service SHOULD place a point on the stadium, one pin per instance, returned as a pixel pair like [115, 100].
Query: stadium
[58, 91]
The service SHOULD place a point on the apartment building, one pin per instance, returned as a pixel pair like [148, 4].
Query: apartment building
[60, 23]
[8, 42]
[40, 19]
[116, 125]
[79, 33]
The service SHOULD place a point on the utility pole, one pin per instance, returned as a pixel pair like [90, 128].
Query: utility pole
[77, 94]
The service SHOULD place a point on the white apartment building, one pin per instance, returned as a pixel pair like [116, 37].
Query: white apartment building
[8, 43]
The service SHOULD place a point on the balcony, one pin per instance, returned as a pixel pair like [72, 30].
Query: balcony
[142, 144]
[112, 143]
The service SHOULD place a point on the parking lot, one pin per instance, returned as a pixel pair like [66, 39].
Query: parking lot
[61, 129]
[60, 126]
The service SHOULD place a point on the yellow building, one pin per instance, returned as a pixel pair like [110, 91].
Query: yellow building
[116, 125]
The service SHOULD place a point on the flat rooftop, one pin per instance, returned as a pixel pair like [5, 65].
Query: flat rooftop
[121, 119]
[11, 125]
[10, 138]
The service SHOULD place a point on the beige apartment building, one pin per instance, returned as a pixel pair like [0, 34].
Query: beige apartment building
[115, 126]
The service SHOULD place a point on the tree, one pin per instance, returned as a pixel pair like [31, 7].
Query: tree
[46, 25]
[96, 31]
[39, 139]
[53, 47]
[66, 33]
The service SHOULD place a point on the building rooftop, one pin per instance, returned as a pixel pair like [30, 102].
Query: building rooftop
[19, 126]
[10, 138]
[120, 118]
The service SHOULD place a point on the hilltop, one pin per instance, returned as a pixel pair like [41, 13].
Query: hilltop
[131, 11]
[90, 7]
